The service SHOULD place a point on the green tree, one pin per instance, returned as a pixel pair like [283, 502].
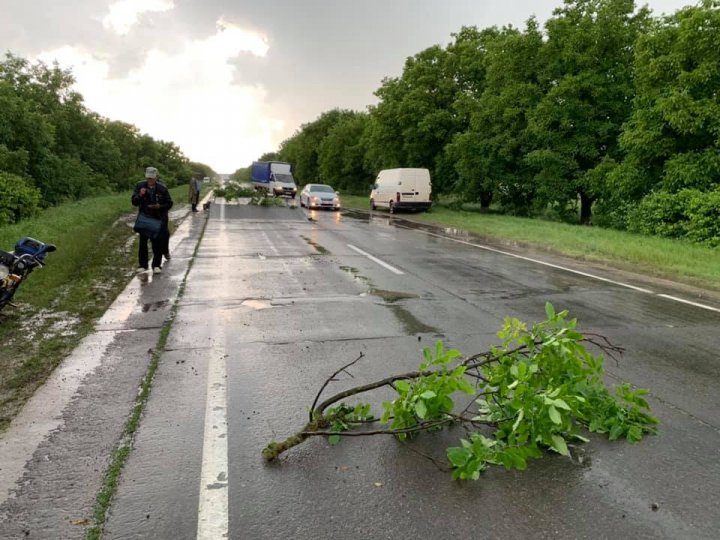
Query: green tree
[342, 154]
[587, 74]
[489, 155]
[673, 137]
[270, 156]
[415, 118]
[202, 170]
[301, 150]
[242, 175]
[19, 199]
[126, 138]
[49, 136]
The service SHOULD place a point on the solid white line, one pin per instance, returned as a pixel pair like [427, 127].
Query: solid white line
[375, 259]
[689, 302]
[593, 276]
[537, 261]
[213, 505]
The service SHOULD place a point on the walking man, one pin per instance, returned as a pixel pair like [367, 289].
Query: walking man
[195, 189]
[152, 199]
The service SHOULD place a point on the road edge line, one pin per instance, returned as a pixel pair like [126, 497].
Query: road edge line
[376, 260]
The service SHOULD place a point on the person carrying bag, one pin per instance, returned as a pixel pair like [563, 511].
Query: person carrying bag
[153, 201]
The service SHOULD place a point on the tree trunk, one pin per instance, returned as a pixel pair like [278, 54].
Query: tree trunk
[485, 200]
[585, 208]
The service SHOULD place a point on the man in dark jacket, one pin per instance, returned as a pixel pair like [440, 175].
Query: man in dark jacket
[152, 199]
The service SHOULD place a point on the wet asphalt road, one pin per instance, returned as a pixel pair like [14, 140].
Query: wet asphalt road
[274, 303]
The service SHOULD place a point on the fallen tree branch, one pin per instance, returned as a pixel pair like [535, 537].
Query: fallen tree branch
[533, 393]
[420, 427]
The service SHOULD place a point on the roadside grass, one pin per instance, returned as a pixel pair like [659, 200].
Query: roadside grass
[654, 256]
[58, 305]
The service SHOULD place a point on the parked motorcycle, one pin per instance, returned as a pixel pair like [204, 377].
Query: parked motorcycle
[16, 266]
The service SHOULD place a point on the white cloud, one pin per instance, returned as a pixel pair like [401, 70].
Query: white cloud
[185, 96]
[125, 13]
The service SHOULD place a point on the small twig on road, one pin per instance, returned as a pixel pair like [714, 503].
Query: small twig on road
[439, 464]
[332, 378]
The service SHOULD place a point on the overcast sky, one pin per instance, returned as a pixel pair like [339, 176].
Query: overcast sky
[230, 79]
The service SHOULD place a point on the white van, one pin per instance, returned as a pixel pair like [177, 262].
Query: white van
[396, 189]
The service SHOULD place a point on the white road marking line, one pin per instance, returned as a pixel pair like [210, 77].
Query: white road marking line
[593, 276]
[488, 248]
[689, 302]
[375, 259]
[213, 505]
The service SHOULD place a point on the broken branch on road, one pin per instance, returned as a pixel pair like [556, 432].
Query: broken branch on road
[539, 390]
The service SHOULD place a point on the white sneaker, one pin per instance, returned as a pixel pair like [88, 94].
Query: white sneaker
[141, 269]
[157, 270]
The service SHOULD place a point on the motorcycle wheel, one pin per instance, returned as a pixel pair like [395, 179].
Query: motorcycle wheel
[5, 296]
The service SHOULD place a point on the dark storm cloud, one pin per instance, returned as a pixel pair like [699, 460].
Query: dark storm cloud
[322, 53]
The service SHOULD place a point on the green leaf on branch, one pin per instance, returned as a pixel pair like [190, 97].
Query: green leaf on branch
[559, 445]
[421, 409]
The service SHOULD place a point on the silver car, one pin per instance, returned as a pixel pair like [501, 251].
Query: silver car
[319, 196]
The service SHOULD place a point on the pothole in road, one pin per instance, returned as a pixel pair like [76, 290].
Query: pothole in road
[256, 304]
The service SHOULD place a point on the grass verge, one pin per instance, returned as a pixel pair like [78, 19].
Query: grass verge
[121, 453]
[59, 304]
[654, 256]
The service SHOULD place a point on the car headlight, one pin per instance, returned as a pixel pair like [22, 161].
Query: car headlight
[4, 271]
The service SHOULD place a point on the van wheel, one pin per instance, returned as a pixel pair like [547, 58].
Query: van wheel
[372, 204]
[391, 207]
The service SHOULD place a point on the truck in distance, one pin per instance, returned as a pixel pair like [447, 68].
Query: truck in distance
[275, 177]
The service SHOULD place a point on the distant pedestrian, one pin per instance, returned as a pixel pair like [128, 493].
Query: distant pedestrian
[195, 189]
[153, 200]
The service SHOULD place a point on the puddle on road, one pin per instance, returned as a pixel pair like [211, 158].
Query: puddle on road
[357, 215]
[355, 273]
[410, 323]
[391, 296]
[320, 249]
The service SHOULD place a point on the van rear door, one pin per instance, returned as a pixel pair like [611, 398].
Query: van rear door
[414, 189]
[414, 186]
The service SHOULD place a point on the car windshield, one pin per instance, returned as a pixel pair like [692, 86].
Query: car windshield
[284, 178]
[322, 189]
